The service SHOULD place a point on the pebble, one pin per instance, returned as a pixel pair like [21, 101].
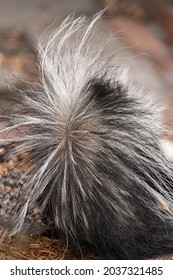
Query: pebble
[2, 192]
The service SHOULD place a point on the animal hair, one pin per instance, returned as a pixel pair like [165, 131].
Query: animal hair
[96, 167]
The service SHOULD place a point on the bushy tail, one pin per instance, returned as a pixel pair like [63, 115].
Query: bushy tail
[92, 144]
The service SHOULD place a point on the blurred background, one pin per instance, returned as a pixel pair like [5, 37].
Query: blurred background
[142, 29]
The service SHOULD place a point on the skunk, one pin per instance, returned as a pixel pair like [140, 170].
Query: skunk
[92, 139]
